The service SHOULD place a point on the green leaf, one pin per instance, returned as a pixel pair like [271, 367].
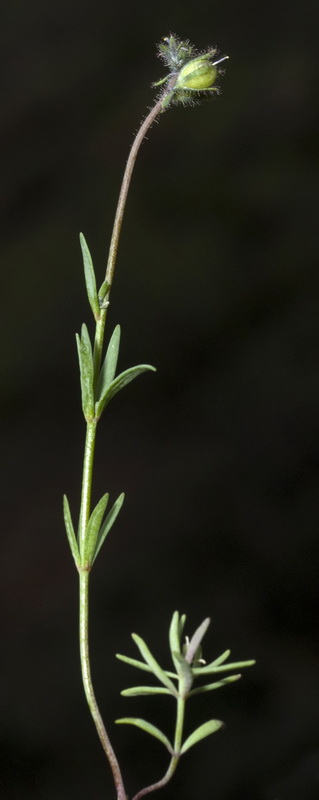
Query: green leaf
[122, 380]
[174, 639]
[216, 685]
[70, 531]
[155, 667]
[148, 728]
[134, 691]
[204, 730]
[220, 659]
[195, 641]
[103, 290]
[181, 626]
[93, 529]
[86, 372]
[89, 277]
[140, 665]
[211, 668]
[108, 523]
[110, 362]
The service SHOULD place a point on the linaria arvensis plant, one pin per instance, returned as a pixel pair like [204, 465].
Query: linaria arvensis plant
[191, 75]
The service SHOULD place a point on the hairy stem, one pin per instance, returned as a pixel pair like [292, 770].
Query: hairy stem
[115, 238]
[154, 112]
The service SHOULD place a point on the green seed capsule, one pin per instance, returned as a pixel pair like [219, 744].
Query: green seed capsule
[198, 74]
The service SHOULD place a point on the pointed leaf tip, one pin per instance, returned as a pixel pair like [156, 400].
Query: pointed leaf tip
[86, 371]
[196, 639]
[118, 383]
[93, 530]
[108, 523]
[70, 531]
[110, 363]
[207, 729]
[89, 275]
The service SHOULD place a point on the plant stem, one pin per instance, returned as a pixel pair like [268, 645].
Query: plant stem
[154, 112]
[88, 462]
[88, 687]
[175, 758]
[118, 219]
[89, 459]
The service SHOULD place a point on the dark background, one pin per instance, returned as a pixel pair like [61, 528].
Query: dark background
[217, 285]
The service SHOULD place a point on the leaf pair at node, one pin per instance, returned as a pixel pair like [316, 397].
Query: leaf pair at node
[96, 530]
[98, 389]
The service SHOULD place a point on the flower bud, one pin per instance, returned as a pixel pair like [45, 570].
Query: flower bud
[198, 74]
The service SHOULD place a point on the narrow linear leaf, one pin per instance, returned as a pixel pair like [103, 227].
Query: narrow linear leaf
[93, 529]
[181, 626]
[174, 638]
[148, 728]
[204, 730]
[217, 685]
[110, 362]
[220, 659]
[86, 371]
[122, 380]
[210, 669]
[134, 691]
[140, 665]
[103, 290]
[90, 281]
[107, 524]
[151, 661]
[196, 640]
[70, 531]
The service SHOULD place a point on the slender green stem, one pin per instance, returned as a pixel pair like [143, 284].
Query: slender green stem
[89, 459]
[88, 462]
[175, 758]
[88, 687]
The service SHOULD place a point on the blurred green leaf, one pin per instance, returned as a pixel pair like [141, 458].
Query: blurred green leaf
[108, 523]
[195, 641]
[148, 728]
[211, 668]
[204, 730]
[181, 624]
[174, 638]
[134, 691]
[155, 667]
[122, 380]
[110, 362]
[93, 529]
[140, 665]
[89, 277]
[86, 372]
[217, 685]
[70, 531]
